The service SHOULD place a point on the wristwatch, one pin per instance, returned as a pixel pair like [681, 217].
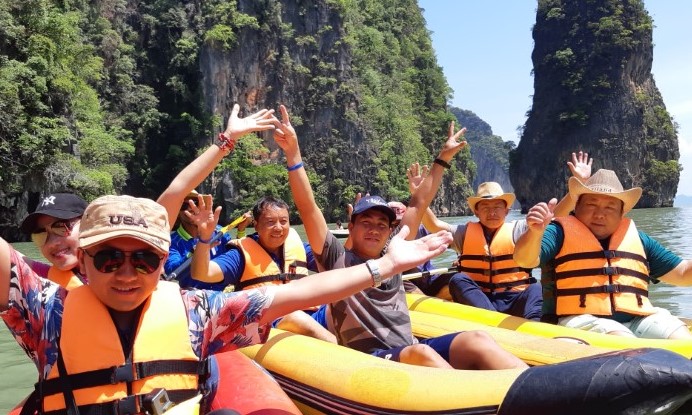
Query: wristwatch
[374, 272]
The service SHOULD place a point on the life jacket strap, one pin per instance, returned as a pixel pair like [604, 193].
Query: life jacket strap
[604, 289]
[126, 406]
[609, 271]
[485, 258]
[124, 373]
[605, 254]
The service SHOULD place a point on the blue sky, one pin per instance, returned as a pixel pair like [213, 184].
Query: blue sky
[485, 50]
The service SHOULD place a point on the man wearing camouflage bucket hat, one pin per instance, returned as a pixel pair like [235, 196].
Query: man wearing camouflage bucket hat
[134, 318]
[597, 265]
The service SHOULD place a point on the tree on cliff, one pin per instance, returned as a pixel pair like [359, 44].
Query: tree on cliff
[594, 91]
[117, 96]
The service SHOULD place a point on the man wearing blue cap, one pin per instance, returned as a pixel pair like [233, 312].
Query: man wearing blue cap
[376, 320]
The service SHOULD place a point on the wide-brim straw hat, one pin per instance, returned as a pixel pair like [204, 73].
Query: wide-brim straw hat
[490, 191]
[605, 182]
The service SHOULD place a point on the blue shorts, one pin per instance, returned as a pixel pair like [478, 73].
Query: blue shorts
[440, 344]
[319, 315]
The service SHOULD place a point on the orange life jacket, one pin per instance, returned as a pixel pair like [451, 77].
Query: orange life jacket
[101, 377]
[67, 279]
[260, 268]
[591, 280]
[493, 267]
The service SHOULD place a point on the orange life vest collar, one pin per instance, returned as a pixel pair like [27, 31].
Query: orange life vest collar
[68, 279]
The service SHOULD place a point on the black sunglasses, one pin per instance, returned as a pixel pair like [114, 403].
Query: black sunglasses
[59, 227]
[109, 260]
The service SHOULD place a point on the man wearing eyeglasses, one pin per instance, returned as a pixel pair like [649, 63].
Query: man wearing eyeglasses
[488, 278]
[54, 228]
[136, 320]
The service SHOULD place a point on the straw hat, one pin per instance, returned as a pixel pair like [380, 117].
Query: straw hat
[490, 191]
[605, 182]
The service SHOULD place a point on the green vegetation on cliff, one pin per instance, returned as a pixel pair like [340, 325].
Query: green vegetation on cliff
[104, 97]
[594, 91]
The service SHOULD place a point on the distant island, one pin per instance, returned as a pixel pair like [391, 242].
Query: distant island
[682, 200]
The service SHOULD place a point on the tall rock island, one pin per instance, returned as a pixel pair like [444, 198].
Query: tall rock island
[594, 91]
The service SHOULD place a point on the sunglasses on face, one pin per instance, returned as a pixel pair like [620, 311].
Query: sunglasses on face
[110, 260]
[59, 227]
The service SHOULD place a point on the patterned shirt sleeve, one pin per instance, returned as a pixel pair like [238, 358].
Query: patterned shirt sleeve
[221, 321]
[34, 315]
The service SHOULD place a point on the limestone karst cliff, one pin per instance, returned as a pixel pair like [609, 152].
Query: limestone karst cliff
[489, 152]
[594, 91]
[117, 96]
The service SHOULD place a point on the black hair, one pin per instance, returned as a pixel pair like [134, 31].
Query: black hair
[265, 203]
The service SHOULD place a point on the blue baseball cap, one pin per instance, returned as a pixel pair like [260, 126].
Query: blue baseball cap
[374, 202]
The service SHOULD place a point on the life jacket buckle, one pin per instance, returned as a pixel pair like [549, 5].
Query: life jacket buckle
[157, 402]
[609, 271]
[609, 254]
[126, 406]
[611, 289]
[122, 373]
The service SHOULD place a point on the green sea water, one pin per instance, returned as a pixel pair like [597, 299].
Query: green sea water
[670, 226]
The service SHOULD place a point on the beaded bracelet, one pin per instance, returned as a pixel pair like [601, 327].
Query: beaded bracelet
[295, 167]
[442, 163]
[225, 143]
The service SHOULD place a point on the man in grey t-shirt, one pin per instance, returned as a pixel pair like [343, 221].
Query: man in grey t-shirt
[376, 320]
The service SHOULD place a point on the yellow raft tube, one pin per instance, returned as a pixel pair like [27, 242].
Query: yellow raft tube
[464, 313]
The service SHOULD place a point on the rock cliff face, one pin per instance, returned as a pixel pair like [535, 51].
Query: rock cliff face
[315, 72]
[266, 69]
[594, 91]
[360, 79]
[489, 152]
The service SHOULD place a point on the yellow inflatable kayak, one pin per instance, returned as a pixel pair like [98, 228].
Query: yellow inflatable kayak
[323, 378]
[436, 306]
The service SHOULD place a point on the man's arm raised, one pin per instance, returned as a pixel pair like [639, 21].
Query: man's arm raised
[198, 170]
[580, 166]
[421, 198]
[315, 225]
[528, 248]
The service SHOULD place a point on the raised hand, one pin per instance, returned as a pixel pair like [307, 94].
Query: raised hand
[452, 146]
[237, 127]
[405, 254]
[540, 215]
[247, 220]
[415, 175]
[349, 207]
[284, 133]
[580, 166]
[203, 216]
